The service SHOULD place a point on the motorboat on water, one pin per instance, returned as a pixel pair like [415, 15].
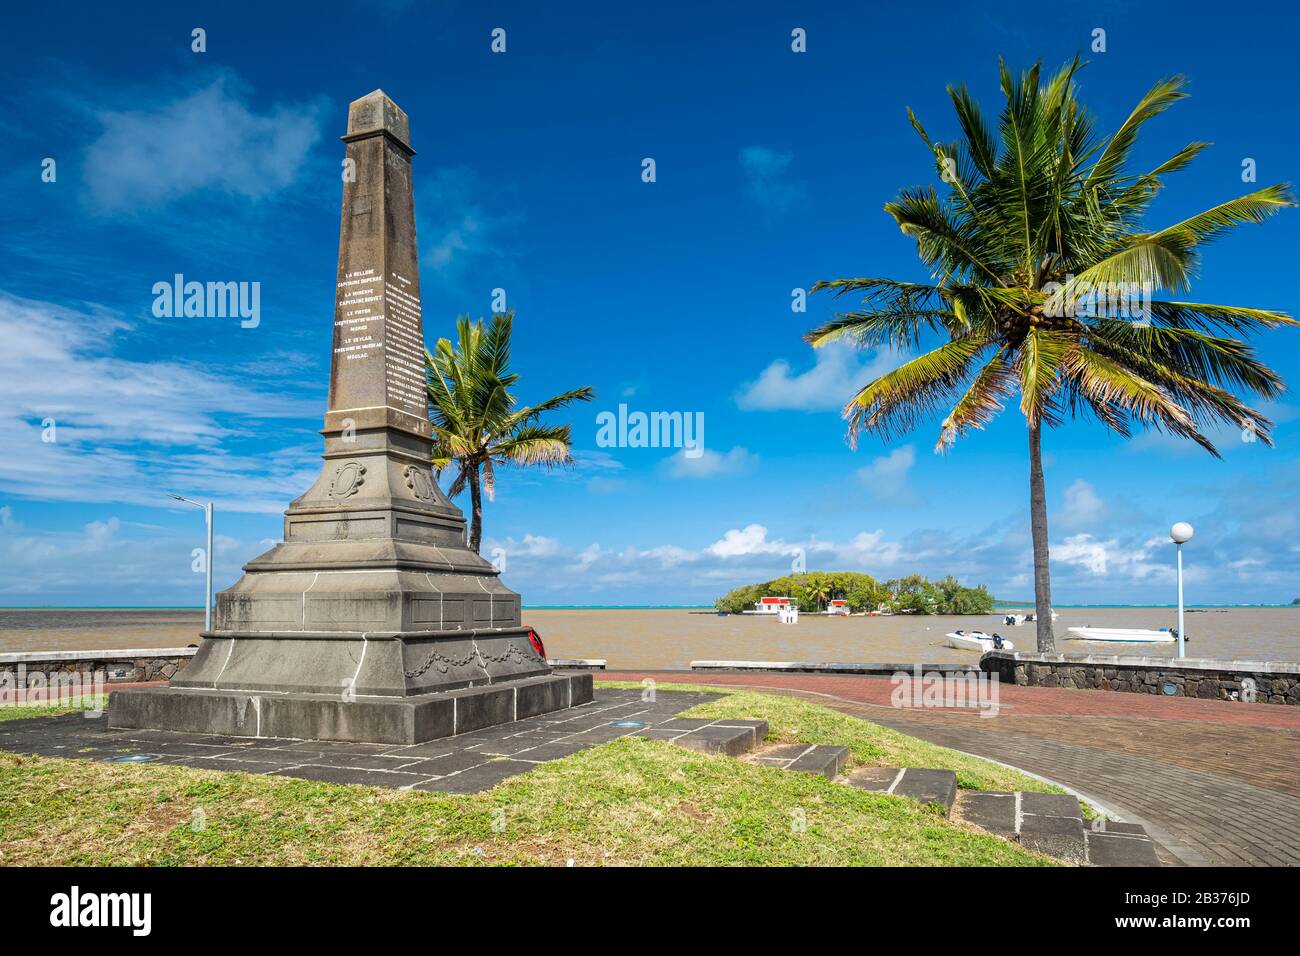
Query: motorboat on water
[979, 641]
[1122, 635]
[1015, 620]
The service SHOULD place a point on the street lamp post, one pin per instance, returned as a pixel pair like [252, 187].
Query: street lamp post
[1181, 533]
[207, 559]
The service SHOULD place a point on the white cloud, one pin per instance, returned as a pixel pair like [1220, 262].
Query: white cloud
[836, 375]
[1083, 506]
[1227, 438]
[595, 461]
[208, 139]
[709, 463]
[109, 559]
[127, 430]
[767, 178]
[887, 477]
[1128, 565]
[538, 546]
[673, 572]
[1111, 557]
[752, 539]
[458, 229]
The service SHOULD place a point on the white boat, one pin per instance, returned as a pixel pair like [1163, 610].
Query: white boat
[1121, 635]
[1015, 620]
[979, 641]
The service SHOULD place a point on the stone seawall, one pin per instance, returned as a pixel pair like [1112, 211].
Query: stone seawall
[136, 666]
[1263, 682]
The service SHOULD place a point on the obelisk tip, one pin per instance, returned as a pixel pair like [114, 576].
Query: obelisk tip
[377, 113]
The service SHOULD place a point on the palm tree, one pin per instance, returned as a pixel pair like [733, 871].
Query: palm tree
[1036, 218]
[475, 422]
[819, 590]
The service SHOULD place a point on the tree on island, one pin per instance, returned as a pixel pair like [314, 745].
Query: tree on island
[910, 595]
[818, 590]
[1039, 215]
[475, 422]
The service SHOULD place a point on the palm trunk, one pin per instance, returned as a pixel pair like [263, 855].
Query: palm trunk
[476, 511]
[1038, 525]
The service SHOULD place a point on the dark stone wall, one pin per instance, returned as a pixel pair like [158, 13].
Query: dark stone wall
[1212, 680]
[117, 670]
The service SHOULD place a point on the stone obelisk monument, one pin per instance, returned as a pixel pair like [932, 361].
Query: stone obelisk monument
[372, 620]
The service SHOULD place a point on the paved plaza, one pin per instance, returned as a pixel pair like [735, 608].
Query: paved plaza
[465, 764]
[1213, 782]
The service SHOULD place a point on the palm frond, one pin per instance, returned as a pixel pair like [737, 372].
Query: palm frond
[940, 241]
[1217, 221]
[980, 143]
[473, 410]
[1040, 217]
[1202, 315]
[1038, 365]
[1195, 354]
[1114, 155]
[544, 445]
[1158, 261]
[1106, 381]
[982, 402]
[1180, 160]
[897, 401]
[871, 329]
[532, 412]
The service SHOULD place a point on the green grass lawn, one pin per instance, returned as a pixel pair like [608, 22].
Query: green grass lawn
[792, 720]
[24, 711]
[630, 802]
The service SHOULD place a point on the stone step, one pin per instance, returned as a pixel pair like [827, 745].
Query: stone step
[806, 758]
[919, 783]
[928, 786]
[1061, 837]
[823, 759]
[730, 737]
[1053, 824]
[1119, 844]
[989, 810]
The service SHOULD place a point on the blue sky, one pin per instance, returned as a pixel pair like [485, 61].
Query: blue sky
[771, 170]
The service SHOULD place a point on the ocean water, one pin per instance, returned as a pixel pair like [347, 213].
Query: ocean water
[673, 637]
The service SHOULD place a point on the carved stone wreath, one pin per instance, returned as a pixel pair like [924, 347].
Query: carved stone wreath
[348, 479]
[420, 481]
[442, 663]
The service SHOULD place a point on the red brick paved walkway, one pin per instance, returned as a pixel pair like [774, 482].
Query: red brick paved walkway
[1214, 782]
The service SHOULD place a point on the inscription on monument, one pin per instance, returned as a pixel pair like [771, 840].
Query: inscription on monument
[404, 346]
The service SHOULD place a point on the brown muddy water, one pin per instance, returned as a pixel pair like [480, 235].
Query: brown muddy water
[673, 638]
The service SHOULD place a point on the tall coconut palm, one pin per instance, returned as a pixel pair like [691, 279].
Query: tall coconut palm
[1038, 214]
[819, 590]
[475, 422]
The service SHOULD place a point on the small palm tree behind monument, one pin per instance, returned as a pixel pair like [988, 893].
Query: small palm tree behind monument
[475, 421]
[1042, 282]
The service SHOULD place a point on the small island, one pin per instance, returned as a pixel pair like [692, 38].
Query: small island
[846, 592]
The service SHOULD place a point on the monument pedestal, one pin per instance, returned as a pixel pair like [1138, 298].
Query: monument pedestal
[372, 620]
[381, 720]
